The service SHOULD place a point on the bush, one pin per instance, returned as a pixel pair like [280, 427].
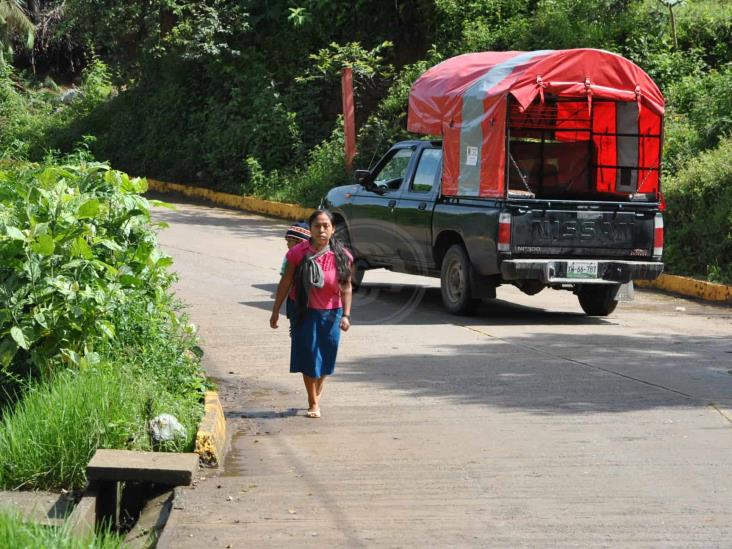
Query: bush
[21, 116]
[699, 216]
[681, 142]
[706, 25]
[76, 245]
[707, 103]
[323, 170]
[306, 185]
[35, 120]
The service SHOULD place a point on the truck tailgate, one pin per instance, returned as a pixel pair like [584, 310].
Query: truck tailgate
[602, 232]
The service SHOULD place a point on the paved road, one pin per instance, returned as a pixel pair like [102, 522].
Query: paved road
[529, 424]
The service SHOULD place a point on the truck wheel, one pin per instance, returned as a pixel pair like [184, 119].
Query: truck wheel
[455, 282]
[597, 300]
[344, 237]
[357, 275]
[341, 233]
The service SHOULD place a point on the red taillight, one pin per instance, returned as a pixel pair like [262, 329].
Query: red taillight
[658, 236]
[504, 232]
[662, 202]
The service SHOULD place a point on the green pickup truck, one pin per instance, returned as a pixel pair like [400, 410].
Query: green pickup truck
[547, 175]
[395, 217]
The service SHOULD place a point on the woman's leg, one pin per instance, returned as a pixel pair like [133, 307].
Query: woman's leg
[319, 387]
[311, 386]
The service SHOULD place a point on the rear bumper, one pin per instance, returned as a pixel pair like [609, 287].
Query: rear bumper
[554, 271]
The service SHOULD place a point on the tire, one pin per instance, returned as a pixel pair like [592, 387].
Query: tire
[357, 276]
[597, 300]
[456, 282]
[341, 233]
[344, 238]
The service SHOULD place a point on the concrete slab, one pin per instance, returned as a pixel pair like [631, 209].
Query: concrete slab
[151, 522]
[173, 469]
[82, 521]
[43, 507]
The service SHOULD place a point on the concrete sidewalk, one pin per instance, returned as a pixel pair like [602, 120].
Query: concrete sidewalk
[528, 425]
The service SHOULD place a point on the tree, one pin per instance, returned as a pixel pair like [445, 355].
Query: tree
[671, 4]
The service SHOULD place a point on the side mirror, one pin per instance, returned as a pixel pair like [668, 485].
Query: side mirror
[362, 177]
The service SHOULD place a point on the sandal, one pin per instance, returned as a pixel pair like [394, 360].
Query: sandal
[313, 414]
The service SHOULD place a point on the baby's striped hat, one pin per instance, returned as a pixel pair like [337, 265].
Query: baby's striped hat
[299, 231]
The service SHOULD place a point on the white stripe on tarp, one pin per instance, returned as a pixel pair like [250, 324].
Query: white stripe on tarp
[626, 121]
[471, 132]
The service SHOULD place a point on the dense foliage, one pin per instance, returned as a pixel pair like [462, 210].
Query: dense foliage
[91, 344]
[699, 219]
[244, 96]
[76, 247]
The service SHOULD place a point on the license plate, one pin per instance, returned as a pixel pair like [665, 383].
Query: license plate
[582, 269]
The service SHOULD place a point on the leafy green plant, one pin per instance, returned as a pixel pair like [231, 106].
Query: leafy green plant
[34, 121]
[366, 64]
[75, 245]
[156, 343]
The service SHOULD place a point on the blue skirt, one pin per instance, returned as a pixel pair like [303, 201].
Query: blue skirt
[315, 342]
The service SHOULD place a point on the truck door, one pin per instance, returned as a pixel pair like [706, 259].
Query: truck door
[413, 215]
[372, 210]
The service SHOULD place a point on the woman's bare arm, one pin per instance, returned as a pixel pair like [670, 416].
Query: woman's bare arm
[283, 288]
[346, 297]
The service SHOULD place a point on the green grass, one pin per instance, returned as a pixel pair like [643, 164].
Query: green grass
[50, 435]
[15, 533]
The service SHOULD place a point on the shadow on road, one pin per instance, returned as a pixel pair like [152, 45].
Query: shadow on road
[407, 304]
[263, 414]
[561, 374]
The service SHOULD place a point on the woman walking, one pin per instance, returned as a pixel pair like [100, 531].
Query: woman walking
[318, 279]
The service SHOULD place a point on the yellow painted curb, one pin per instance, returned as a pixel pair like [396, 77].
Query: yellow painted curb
[691, 287]
[246, 203]
[211, 436]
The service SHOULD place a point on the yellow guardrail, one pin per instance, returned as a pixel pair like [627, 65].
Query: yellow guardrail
[691, 287]
[247, 203]
[682, 285]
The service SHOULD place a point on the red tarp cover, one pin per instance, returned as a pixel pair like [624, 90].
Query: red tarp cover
[463, 99]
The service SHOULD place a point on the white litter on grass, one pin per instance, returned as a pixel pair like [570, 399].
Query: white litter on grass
[166, 427]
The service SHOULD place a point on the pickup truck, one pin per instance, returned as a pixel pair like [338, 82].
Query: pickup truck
[547, 175]
[395, 217]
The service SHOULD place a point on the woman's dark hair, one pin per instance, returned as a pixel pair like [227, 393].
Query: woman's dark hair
[343, 262]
